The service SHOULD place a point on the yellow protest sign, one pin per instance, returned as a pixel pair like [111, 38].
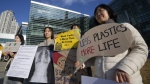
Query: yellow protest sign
[1, 47]
[67, 40]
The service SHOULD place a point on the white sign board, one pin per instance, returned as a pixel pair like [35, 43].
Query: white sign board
[21, 64]
[93, 80]
[104, 40]
[11, 46]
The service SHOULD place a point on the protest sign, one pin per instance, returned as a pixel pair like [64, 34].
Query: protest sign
[64, 66]
[1, 47]
[104, 40]
[67, 40]
[93, 80]
[42, 70]
[0, 54]
[21, 64]
[11, 46]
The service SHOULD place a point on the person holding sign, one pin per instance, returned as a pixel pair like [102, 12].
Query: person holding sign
[42, 70]
[78, 30]
[10, 56]
[124, 67]
[49, 36]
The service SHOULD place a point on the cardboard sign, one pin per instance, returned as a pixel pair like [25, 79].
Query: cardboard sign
[67, 40]
[11, 46]
[104, 40]
[64, 67]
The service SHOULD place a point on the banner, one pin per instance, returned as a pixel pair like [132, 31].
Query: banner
[67, 40]
[104, 40]
[64, 67]
[11, 46]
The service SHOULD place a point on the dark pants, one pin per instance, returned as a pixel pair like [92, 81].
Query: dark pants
[89, 71]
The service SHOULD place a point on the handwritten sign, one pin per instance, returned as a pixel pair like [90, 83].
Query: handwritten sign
[64, 68]
[67, 40]
[104, 40]
[11, 46]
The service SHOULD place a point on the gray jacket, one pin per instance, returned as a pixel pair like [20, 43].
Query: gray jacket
[47, 42]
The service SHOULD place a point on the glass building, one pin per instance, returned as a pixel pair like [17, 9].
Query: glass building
[24, 27]
[60, 19]
[135, 12]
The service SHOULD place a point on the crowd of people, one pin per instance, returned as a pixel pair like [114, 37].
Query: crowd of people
[124, 67]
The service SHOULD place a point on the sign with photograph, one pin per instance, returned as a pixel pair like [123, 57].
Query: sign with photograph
[34, 63]
[11, 46]
[67, 40]
[104, 40]
[64, 67]
[42, 70]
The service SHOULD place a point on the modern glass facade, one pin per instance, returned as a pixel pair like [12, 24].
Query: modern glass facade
[24, 27]
[2, 40]
[60, 19]
[135, 12]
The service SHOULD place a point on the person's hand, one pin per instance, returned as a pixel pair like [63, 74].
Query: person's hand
[11, 54]
[55, 37]
[6, 54]
[78, 63]
[121, 76]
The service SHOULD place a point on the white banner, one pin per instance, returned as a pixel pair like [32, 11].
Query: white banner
[93, 80]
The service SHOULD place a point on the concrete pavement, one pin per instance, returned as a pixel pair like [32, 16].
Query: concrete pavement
[2, 70]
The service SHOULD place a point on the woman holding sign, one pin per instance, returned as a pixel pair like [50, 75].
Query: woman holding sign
[11, 55]
[78, 30]
[49, 36]
[124, 67]
[42, 71]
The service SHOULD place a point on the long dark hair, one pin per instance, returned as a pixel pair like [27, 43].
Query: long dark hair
[21, 38]
[110, 11]
[52, 33]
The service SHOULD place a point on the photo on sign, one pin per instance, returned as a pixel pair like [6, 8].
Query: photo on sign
[42, 68]
[64, 67]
